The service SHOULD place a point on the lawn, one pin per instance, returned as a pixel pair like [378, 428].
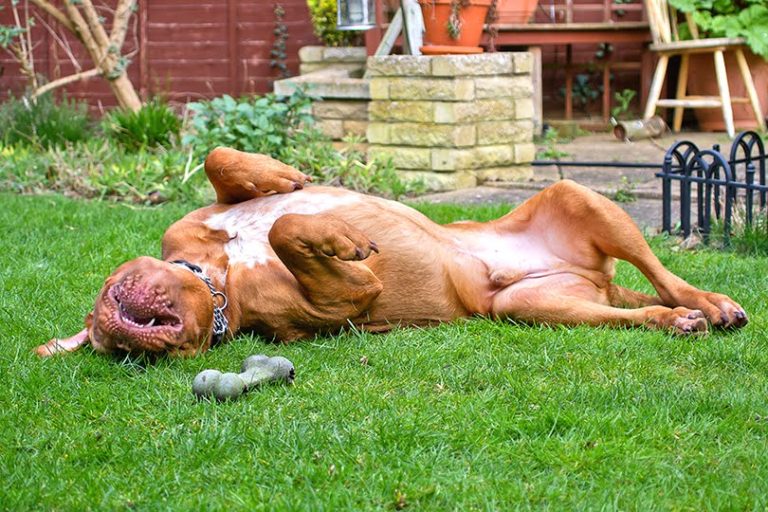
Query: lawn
[476, 415]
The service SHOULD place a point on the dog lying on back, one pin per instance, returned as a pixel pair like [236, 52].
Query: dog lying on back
[289, 262]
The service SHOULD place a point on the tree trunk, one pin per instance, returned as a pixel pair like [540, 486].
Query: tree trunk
[125, 93]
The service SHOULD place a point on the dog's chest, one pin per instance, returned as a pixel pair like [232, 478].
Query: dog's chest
[248, 224]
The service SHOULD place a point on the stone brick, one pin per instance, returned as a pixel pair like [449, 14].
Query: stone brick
[379, 88]
[332, 128]
[503, 86]
[473, 65]
[398, 65]
[434, 89]
[524, 108]
[330, 109]
[480, 110]
[378, 133]
[440, 182]
[508, 173]
[525, 153]
[402, 158]
[473, 158]
[413, 111]
[351, 127]
[311, 53]
[440, 135]
[345, 54]
[501, 132]
[523, 62]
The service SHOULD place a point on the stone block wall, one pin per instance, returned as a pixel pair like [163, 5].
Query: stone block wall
[340, 118]
[453, 121]
[315, 58]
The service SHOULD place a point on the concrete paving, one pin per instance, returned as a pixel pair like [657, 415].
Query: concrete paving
[641, 184]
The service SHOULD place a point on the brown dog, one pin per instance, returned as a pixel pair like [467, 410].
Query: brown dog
[290, 263]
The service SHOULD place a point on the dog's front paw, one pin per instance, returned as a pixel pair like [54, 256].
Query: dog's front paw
[720, 310]
[281, 179]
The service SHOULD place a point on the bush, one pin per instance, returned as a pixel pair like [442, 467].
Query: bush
[323, 13]
[44, 122]
[155, 125]
[282, 128]
[259, 124]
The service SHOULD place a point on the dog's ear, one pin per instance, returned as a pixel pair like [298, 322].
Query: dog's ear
[56, 345]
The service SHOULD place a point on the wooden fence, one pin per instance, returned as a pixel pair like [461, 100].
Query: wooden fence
[182, 50]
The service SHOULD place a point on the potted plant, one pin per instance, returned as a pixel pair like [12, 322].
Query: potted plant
[739, 18]
[454, 26]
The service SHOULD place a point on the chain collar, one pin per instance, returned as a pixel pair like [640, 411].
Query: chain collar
[220, 322]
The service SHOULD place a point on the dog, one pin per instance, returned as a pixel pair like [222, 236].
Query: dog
[290, 261]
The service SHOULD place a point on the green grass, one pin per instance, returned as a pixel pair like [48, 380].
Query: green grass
[476, 415]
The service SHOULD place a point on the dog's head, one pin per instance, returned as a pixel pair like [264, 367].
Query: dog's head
[152, 306]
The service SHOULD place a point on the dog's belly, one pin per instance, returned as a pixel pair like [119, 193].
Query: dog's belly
[410, 265]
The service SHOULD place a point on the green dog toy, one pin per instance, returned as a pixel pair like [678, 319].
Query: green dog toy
[256, 370]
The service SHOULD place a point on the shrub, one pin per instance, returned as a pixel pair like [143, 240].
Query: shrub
[155, 125]
[323, 13]
[44, 122]
[282, 128]
[260, 124]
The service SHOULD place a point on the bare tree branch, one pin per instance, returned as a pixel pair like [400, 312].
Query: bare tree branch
[123, 14]
[83, 75]
[97, 30]
[56, 13]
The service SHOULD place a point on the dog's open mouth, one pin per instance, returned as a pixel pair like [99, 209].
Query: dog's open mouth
[145, 322]
[141, 312]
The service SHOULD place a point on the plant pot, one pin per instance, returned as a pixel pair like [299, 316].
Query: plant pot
[436, 14]
[705, 84]
[515, 12]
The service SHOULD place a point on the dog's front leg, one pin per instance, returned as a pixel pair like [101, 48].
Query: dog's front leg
[237, 176]
[325, 255]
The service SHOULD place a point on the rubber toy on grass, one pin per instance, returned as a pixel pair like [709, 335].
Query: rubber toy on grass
[256, 370]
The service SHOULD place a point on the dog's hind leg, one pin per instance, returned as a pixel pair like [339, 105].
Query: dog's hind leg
[584, 228]
[238, 176]
[573, 300]
[324, 253]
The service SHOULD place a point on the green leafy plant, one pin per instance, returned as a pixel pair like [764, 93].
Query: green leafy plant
[623, 99]
[283, 128]
[625, 193]
[260, 124]
[99, 169]
[279, 53]
[728, 18]
[323, 14]
[550, 149]
[154, 125]
[44, 121]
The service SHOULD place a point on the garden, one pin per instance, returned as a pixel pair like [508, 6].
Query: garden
[477, 414]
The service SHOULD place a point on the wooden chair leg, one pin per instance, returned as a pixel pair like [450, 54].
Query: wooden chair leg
[682, 87]
[725, 92]
[658, 81]
[746, 75]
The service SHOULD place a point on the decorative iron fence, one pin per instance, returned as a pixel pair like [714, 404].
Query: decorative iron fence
[716, 186]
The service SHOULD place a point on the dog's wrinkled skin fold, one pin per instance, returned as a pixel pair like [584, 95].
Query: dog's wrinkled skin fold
[295, 262]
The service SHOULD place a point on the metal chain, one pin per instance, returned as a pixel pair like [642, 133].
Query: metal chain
[220, 323]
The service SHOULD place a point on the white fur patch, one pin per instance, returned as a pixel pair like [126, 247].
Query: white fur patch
[248, 223]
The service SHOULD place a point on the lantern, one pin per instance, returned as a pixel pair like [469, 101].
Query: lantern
[355, 14]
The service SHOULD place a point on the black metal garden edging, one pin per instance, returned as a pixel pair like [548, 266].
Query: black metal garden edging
[720, 183]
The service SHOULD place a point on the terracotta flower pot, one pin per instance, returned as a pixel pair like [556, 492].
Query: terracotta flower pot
[515, 12]
[471, 21]
[704, 83]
